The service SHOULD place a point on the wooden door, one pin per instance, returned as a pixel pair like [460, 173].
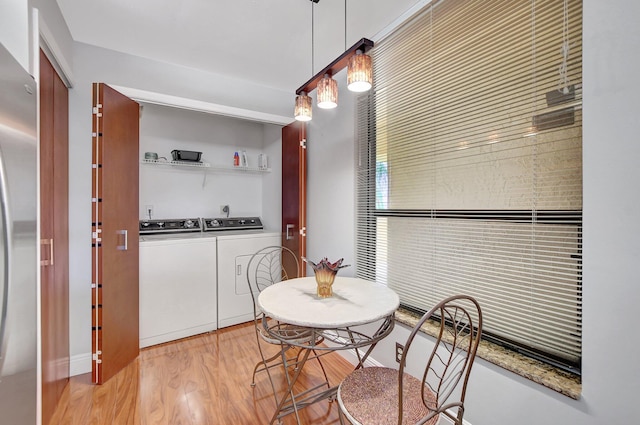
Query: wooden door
[54, 235]
[294, 185]
[115, 232]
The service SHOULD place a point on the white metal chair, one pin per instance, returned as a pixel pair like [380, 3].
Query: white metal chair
[266, 267]
[385, 396]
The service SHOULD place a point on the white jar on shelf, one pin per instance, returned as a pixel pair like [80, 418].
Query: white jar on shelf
[243, 159]
[262, 162]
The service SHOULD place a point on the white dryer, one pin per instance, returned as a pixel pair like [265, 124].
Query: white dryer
[237, 240]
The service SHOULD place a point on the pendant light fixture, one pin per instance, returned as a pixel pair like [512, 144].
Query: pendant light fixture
[327, 92]
[337, 65]
[303, 109]
[359, 75]
[359, 72]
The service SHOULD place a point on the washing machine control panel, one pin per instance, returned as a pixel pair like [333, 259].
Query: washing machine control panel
[170, 226]
[237, 223]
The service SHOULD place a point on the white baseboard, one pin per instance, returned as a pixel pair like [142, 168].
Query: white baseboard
[446, 421]
[351, 357]
[80, 364]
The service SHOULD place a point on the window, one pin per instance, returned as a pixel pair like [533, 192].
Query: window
[469, 167]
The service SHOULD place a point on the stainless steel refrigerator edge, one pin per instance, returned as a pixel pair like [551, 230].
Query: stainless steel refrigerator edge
[18, 247]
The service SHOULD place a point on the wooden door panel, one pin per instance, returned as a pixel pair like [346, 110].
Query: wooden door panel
[294, 182]
[61, 230]
[47, 278]
[115, 227]
[54, 235]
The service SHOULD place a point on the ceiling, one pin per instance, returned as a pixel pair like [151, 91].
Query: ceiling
[268, 42]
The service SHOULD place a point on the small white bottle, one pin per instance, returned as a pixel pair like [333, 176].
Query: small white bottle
[244, 161]
[262, 161]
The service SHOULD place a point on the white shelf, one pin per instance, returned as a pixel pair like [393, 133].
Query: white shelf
[176, 163]
[204, 165]
[241, 169]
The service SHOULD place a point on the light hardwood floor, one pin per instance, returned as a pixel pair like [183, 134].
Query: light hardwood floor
[200, 380]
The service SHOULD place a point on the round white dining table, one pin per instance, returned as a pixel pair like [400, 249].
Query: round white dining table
[354, 302]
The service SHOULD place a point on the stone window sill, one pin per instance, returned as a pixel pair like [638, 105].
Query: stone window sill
[558, 380]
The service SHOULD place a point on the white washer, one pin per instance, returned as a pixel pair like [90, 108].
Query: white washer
[235, 249]
[177, 286]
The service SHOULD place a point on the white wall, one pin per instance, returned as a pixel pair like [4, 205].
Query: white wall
[611, 243]
[108, 66]
[272, 182]
[331, 181]
[611, 225]
[176, 192]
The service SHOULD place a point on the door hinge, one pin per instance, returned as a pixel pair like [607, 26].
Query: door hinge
[303, 143]
[96, 357]
[96, 110]
[303, 231]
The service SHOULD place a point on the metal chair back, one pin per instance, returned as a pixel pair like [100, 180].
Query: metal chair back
[459, 327]
[267, 266]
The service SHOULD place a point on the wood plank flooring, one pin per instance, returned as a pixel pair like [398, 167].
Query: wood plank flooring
[195, 381]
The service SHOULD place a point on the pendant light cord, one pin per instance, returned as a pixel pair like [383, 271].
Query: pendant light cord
[312, 37]
[345, 25]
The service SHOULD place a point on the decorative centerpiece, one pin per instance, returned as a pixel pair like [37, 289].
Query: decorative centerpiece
[325, 274]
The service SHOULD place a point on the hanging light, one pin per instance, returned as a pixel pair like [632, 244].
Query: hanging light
[304, 105]
[359, 72]
[302, 111]
[327, 92]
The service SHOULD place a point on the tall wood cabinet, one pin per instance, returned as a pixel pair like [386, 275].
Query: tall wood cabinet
[54, 235]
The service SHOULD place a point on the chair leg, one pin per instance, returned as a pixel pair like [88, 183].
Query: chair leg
[324, 372]
[290, 381]
[340, 415]
[297, 359]
[266, 367]
[264, 363]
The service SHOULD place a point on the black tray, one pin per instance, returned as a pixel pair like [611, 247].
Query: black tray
[191, 156]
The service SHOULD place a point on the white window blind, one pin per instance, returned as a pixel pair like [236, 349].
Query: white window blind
[469, 167]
